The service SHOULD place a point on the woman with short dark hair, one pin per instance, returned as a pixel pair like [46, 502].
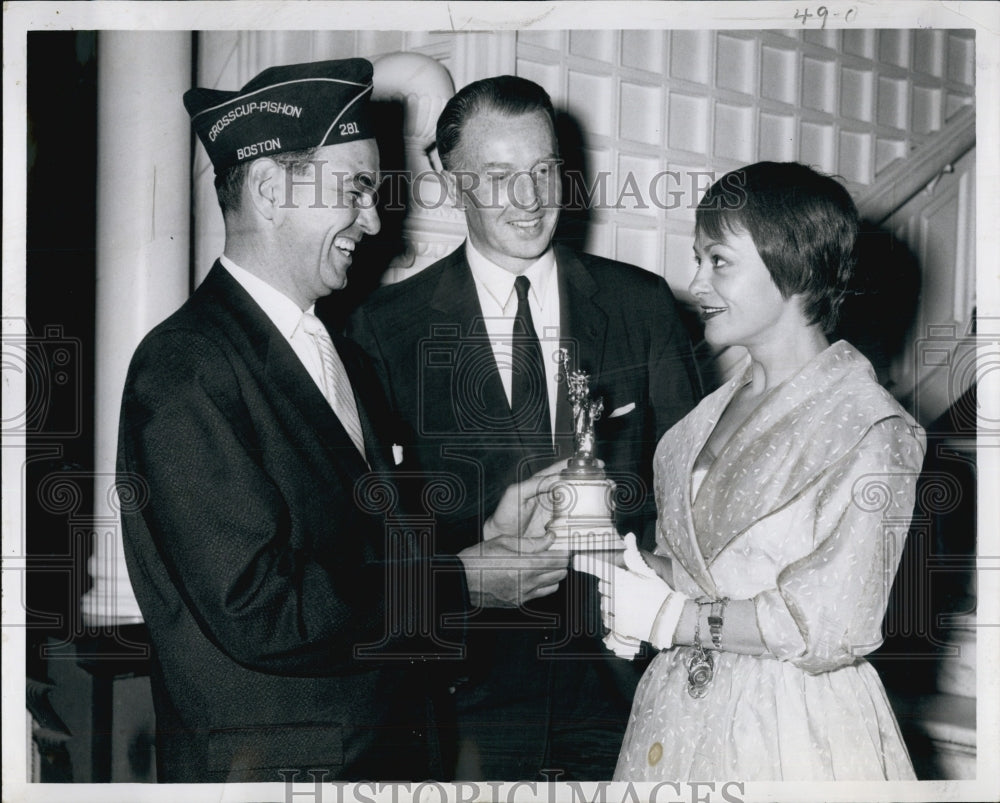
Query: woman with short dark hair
[784, 500]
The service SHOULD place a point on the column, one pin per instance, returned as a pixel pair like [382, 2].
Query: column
[143, 242]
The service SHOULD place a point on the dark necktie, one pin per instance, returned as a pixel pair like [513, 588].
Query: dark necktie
[529, 396]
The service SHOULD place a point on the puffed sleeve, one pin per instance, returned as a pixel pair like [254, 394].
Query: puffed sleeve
[828, 606]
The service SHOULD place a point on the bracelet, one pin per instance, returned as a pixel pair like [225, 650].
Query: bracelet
[715, 622]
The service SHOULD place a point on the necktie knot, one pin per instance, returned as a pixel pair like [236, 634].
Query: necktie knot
[522, 284]
[313, 325]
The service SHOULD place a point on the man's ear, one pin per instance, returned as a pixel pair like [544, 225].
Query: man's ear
[266, 188]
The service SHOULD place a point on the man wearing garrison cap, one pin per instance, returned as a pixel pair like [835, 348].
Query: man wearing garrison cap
[465, 352]
[290, 625]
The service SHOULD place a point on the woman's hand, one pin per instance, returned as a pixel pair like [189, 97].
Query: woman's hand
[636, 603]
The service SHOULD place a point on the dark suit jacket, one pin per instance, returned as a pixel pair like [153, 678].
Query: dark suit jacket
[262, 561]
[432, 352]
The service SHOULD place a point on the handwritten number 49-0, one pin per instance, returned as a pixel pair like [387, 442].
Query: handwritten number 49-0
[822, 13]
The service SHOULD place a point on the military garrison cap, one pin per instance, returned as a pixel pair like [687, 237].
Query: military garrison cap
[290, 108]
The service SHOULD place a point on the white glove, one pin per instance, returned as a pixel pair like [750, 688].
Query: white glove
[636, 603]
[622, 646]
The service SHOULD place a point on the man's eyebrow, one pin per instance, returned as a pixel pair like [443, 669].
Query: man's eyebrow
[510, 166]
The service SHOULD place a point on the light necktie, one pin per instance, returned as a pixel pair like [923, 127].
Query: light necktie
[337, 386]
[529, 394]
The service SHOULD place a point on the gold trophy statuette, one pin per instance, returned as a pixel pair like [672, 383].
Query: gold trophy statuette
[582, 499]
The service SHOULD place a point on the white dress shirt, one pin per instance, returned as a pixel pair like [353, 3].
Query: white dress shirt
[284, 314]
[498, 301]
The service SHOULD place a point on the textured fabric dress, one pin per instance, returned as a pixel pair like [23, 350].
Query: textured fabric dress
[805, 511]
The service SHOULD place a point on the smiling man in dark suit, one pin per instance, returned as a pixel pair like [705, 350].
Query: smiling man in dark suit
[465, 350]
[290, 622]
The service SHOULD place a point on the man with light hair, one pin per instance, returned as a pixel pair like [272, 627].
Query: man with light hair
[466, 351]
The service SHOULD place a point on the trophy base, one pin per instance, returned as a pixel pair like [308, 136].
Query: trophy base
[582, 511]
[584, 535]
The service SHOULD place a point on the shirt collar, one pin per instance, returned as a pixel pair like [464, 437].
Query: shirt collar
[283, 312]
[499, 282]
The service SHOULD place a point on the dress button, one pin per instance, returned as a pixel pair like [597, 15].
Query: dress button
[655, 754]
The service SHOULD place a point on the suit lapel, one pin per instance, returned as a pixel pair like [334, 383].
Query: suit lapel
[471, 398]
[583, 322]
[583, 327]
[261, 344]
[475, 392]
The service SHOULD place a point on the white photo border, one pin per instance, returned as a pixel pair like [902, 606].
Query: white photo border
[983, 17]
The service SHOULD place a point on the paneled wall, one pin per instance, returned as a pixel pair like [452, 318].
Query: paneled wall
[694, 102]
[654, 115]
[938, 226]
[659, 113]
